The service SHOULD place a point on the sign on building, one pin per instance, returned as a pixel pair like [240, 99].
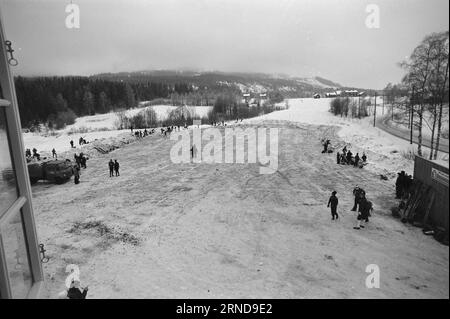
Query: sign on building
[439, 176]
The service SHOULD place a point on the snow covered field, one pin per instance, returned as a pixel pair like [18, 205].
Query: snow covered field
[92, 128]
[165, 230]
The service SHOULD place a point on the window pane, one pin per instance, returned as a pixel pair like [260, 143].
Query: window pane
[16, 255]
[8, 189]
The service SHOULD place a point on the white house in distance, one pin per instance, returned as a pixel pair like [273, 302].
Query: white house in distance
[331, 94]
[344, 93]
[246, 98]
[262, 98]
[351, 93]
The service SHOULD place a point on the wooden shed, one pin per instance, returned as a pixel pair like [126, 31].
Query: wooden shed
[434, 175]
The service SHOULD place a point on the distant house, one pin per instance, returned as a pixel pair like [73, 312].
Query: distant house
[331, 94]
[350, 93]
[262, 98]
[316, 96]
[246, 98]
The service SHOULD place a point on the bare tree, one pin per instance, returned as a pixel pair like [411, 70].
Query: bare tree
[419, 69]
[441, 79]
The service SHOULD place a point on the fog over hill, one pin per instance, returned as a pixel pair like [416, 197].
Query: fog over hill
[289, 86]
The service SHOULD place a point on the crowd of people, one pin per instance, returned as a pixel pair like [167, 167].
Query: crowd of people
[347, 158]
[403, 185]
[361, 204]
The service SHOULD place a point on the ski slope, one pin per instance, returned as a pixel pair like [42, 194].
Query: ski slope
[197, 230]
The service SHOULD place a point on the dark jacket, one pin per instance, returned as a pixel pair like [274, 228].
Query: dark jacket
[364, 208]
[333, 201]
[75, 293]
[111, 165]
[116, 166]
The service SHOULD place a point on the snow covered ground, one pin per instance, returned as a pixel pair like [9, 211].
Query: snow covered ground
[385, 152]
[91, 128]
[197, 230]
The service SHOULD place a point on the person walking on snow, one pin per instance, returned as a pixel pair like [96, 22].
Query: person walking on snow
[54, 153]
[111, 168]
[76, 174]
[333, 202]
[116, 167]
[358, 193]
[365, 207]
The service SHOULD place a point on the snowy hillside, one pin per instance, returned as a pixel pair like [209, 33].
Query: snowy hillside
[198, 230]
[92, 128]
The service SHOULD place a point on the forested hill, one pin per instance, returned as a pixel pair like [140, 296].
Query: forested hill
[57, 101]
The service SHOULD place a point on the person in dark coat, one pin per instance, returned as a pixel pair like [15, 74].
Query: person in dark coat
[338, 158]
[76, 292]
[76, 174]
[111, 168]
[333, 202]
[116, 167]
[77, 160]
[365, 207]
[364, 157]
[83, 161]
[54, 153]
[349, 157]
[356, 160]
[358, 193]
[71, 144]
[399, 184]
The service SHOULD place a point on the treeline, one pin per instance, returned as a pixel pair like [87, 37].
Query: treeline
[226, 107]
[57, 101]
[350, 107]
[426, 83]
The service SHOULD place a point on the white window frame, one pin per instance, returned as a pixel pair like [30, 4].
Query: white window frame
[23, 203]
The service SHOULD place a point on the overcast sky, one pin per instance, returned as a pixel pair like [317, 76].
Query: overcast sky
[327, 38]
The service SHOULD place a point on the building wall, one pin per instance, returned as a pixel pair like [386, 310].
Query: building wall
[436, 176]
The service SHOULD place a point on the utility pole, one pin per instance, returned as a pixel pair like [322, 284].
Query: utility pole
[375, 110]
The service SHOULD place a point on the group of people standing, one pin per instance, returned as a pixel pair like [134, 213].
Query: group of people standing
[35, 154]
[347, 158]
[361, 204]
[144, 133]
[113, 168]
[80, 162]
[403, 185]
